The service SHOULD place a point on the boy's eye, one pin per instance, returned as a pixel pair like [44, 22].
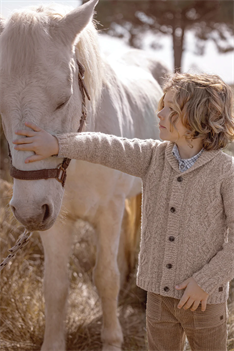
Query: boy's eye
[171, 109]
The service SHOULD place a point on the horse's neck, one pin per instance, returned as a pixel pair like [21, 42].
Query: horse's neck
[104, 118]
[128, 102]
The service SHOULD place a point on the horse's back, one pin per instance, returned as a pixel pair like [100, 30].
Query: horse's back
[130, 97]
[146, 61]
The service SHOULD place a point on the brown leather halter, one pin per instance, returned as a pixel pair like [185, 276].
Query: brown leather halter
[58, 173]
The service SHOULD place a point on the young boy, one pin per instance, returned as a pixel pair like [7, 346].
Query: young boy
[187, 247]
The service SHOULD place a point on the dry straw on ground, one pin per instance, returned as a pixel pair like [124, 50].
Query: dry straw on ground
[22, 305]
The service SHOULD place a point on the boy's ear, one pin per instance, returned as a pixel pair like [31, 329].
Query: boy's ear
[2, 24]
[75, 21]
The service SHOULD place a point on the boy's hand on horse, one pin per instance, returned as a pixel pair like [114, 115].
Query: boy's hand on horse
[193, 295]
[38, 140]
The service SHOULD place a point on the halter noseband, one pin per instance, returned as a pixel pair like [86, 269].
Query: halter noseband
[58, 173]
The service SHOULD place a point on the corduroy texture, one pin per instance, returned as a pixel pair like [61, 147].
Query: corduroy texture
[187, 218]
[167, 326]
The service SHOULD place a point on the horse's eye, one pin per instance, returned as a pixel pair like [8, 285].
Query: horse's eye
[60, 106]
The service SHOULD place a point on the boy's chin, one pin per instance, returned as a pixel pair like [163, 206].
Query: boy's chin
[164, 138]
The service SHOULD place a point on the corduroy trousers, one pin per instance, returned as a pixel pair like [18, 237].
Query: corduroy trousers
[167, 325]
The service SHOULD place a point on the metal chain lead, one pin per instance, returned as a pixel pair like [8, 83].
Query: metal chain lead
[20, 243]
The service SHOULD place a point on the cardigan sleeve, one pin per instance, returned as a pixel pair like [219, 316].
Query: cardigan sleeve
[220, 269]
[132, 156]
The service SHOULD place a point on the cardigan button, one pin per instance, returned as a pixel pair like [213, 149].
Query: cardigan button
[169, 265]
[179, 179]
[171, 238]
[172, 209]
[182, 165]
[166, 288]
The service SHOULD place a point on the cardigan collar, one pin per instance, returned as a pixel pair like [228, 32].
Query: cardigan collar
[205, 157]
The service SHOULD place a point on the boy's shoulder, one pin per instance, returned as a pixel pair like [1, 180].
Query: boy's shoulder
[160, 148]
[156, 144]
[162, 145]
[226, 162]
[226, 158]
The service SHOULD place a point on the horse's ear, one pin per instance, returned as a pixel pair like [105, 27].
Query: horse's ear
[2, 24]
[74, 22]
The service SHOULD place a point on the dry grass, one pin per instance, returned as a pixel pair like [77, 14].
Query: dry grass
[22, 305]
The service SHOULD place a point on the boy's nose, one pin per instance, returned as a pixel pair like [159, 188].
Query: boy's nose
[159, 114]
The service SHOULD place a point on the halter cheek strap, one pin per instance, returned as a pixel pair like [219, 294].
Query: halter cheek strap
[58, 173]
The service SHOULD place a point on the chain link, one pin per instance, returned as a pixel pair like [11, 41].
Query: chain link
[20, 243]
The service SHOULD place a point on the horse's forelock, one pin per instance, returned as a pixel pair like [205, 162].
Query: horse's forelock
[26, 34]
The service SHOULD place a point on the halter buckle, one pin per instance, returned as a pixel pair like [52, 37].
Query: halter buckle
[62, 174]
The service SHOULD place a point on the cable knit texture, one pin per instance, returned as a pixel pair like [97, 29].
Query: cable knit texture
[187, 218]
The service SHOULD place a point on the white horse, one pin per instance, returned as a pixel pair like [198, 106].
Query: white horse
[38, 83]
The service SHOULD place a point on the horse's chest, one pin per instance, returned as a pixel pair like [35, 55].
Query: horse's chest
[90, 186]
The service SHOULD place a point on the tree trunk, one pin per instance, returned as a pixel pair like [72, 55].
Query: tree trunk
[178, 31]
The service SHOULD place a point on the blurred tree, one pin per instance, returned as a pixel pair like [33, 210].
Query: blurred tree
[207, 19]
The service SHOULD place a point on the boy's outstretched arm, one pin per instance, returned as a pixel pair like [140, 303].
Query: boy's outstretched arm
[132, 156]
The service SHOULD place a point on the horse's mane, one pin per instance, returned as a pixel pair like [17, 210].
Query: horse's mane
[27, 31]
[87, 51]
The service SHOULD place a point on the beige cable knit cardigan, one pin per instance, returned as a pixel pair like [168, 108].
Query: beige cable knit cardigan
[188, 218]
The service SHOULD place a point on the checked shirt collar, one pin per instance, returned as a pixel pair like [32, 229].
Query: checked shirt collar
[185, 164]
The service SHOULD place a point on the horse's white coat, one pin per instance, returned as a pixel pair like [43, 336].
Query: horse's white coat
[38, 72]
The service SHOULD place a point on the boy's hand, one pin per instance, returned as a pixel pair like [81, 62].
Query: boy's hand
[193, 295]
[38, 140]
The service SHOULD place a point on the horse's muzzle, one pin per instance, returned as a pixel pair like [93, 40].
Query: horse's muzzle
[40, 219]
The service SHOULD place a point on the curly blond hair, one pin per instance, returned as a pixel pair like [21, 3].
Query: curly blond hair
[204, 104]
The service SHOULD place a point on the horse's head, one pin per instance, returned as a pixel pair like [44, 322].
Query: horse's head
[38, 83]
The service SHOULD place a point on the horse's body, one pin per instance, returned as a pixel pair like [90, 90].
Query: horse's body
[38, 73]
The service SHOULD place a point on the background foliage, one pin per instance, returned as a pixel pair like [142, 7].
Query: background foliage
[133, 19]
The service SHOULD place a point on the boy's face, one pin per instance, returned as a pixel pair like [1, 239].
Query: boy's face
[167, 131]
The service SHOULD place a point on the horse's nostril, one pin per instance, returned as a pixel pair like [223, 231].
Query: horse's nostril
[46, 211]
